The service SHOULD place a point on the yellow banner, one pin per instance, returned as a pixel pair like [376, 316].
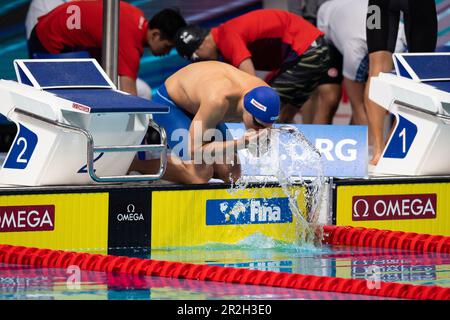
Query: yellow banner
[420, 208]
[199, 217]
[55, 221]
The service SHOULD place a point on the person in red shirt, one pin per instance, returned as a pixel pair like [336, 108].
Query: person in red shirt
[268, 40]
[78, 25]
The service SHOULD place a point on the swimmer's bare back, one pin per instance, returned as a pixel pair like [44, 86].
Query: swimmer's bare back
[203, 81]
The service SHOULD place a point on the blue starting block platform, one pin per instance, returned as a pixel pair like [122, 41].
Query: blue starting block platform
[418, 95]
[83, 82]
[69, 115]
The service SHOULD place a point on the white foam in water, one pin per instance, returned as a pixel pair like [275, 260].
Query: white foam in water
[258, 240]
[284, 160]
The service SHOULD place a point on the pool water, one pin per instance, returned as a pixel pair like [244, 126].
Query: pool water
[20, 282]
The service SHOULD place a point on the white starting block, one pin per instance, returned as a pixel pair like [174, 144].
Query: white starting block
[61, 107]
[419, 98]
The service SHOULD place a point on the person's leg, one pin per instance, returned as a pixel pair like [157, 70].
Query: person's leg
[309, 108]
[380, 43]
[177, 171]
[329, 90]
[355, 92]
[285, 83]
[287, 113]
[296, 83]
[224, 169]
[176, 123]
[380, 61]
[228, 167]
[329, 96]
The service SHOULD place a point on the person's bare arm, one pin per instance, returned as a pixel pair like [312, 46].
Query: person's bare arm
[219, 151]
[128, 85]
[247, 66]
[203, 127]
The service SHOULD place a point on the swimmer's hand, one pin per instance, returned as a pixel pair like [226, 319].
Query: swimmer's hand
[257, 142]
[252, 137]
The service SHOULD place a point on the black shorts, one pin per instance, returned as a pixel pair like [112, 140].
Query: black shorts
[35, 45]
[334, 74]
[297, 80]
[420, 20]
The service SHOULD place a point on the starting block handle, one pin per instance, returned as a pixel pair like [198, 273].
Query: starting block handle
[91, 149]
[435, 114]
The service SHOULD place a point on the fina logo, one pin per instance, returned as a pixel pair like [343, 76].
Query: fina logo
[131, 215]
[237, 209]
[259, 212]
[248, 211]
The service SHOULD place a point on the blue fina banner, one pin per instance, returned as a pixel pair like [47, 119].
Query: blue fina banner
[247, 211]
[343, 149]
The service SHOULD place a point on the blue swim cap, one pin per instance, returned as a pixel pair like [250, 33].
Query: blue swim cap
[263, 103]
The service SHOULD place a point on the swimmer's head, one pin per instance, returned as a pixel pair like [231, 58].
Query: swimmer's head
[262, 107]
[196, 44]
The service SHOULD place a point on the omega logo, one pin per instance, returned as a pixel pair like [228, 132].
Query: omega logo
[394, 207]
[131, 214]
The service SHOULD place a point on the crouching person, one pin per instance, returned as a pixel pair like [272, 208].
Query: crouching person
[202, 97]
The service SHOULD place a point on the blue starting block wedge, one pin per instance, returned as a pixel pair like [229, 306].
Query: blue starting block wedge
[62, 73]
[418, 95]
[101, 101]
[61, 107]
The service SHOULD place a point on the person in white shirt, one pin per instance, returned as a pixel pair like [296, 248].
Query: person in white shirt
[344, 25]
[37, 9]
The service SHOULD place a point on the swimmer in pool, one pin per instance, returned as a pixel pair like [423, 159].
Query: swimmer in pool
[203, 96]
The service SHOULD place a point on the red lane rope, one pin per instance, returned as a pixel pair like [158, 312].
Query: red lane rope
[333, 235]
[62, 259]
[363, 237]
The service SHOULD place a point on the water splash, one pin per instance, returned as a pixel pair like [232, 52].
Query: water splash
[252, 243]
[284, 158]
[260, 241]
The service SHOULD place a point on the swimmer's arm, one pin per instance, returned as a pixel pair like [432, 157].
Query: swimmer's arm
[247, 66]
[208, 117]
[128, 85]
